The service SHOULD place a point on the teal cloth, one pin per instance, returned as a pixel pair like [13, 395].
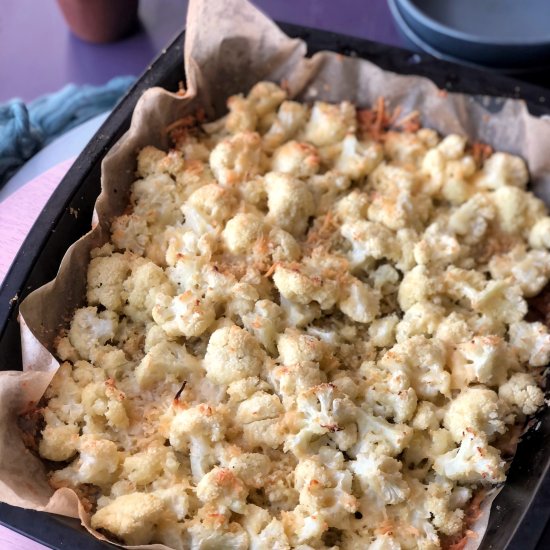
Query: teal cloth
[26, 128]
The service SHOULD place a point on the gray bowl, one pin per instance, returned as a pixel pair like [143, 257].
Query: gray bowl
[493, 33]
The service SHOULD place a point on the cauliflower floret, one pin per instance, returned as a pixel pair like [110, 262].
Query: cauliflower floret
[208, 208]
[131, 518]
[196, 429]
[210, 530]
[352, 207]
[236, 158]
[404, 147]
[102, 401]
[90, 329]
[224, 490]
[329, 123]
[539, 236]
[359, 302]
[327, 411]
[241, 232]
[416, 286]
[358, 159]
[265, 322]
[421, 318]
[376, 434]
[475, 408]
[445, 502]
[382, 331]
[149, 160]
[400, 209]
[242, 116]
[388, 392]
[424, 361]
[452, 146]
[290, 117]
[530, 270]
[380, 477]
[289, 201]
[296, 347]
[484, 359]
[532, 342]
[146, 466]
[290, 380]
[299, 315]
[188, 314]
[232, 354]
[297, 159]
[59, 442]
[325, 489]
[105, 277]
[302, 527]
[436, 247]
[501, 301]
[264, 532]
[260, 418]
[517, 211]
[251, 468]
[146, 281]
[522, 393]
[369, 241]
[130, 232]
[266, 96]
[166, 362]
[98, 463]
[303, 284]
[424, 447]
[427, 416]
[475, 461]
[472, 218]
[503, 169]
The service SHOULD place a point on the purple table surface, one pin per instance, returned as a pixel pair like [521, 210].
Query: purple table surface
[38, 53]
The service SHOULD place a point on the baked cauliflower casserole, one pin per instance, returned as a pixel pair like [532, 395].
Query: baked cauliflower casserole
[308, 331]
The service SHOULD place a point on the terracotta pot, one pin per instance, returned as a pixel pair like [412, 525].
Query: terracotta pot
[100, 21]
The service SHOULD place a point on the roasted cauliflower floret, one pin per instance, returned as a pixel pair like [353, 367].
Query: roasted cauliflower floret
[477, 409]
[380, 477]
[290, 117]
[484, 359]
[539, 236]
[195, 430]
[530, 270]
[503, 169]
[188, 314]
[532, 342]
[236, 158]
[289, 202]
[232, 354]
[298, 159]
[106, 274]
[357, 159]
[264, 531]
[329, 124]
[517, 211]
[474, 461]
[522, 393]
[221, 488]
[131, 518]
[359, 302]
[90, 328]
[241, 232]
[98, 463]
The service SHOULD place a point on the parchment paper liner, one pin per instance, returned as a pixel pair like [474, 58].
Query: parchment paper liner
[229, 46]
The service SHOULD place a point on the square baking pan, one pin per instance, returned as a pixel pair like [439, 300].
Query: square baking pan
[519, 516]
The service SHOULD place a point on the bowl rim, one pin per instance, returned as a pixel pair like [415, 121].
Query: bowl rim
[446, 30]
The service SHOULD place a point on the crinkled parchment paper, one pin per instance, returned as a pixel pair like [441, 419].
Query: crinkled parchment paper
[229, 46]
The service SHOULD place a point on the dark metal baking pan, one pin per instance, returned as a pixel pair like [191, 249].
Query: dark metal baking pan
[495, 33]
[520, 512]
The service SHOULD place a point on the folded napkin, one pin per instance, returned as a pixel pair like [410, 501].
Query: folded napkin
[26, 128]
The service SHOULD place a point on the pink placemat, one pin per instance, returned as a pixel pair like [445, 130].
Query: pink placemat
[17, 215]
[19, 212]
